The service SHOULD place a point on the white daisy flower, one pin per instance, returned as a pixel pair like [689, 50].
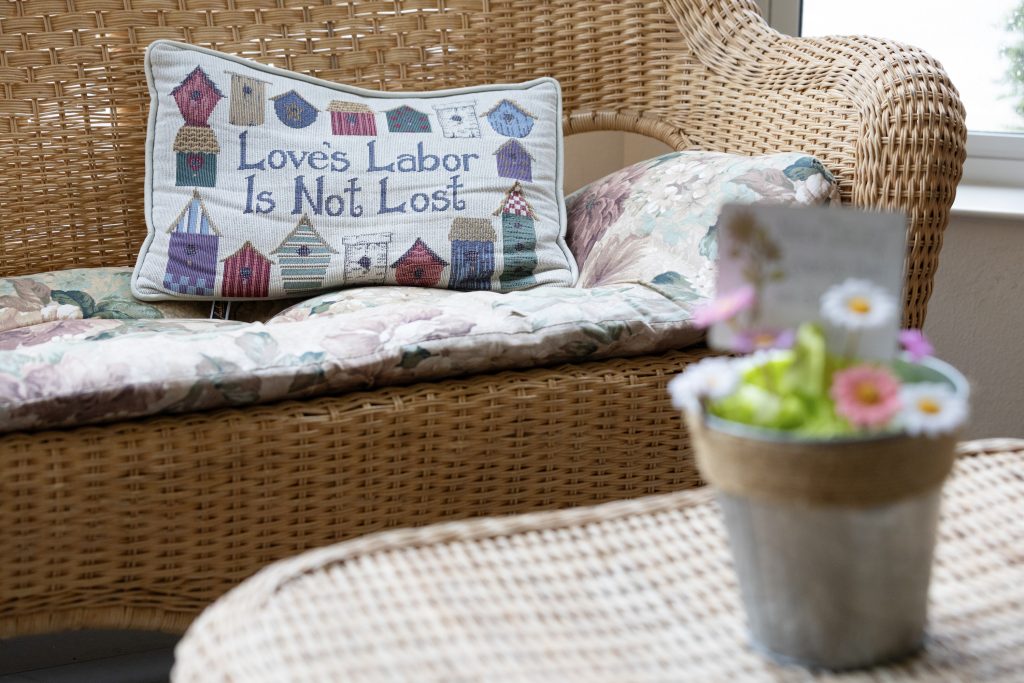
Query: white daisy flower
[857, 304]
[711, 378]
[931, 409]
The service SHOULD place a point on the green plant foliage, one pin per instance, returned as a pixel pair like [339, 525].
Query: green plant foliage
[789, 391]
[1014, 52]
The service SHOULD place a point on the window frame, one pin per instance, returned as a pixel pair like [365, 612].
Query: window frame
[992, 158]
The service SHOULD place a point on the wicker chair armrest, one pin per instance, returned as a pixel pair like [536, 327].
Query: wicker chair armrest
[884, 116]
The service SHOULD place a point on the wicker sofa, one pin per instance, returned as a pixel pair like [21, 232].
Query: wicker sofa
[141, 523]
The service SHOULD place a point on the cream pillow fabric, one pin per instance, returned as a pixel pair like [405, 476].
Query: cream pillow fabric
[262, 183]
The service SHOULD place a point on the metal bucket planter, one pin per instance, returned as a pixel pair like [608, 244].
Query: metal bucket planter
[832, 540]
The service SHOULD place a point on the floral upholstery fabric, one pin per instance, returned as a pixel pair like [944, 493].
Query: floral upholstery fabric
[69, 372]
[660, 215]
[75, 348]
[82, 293]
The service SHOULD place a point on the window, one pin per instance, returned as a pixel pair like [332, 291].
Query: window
[981, 46]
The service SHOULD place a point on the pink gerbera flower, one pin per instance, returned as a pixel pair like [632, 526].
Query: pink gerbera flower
[725, 307]
[866, 396]
[916, 344]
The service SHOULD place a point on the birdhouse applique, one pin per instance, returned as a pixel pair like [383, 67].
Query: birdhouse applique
[366, 258]
[303, 257]
[405, 119]
[419, 266]
[293, 110]
[472, 253]
[196, 149]
[509, 119]
[196, 97]
[248, 100]
[519, 240]
[514, 161]
[351, 118]
[246, 274]
[192, 251]
[458, 120]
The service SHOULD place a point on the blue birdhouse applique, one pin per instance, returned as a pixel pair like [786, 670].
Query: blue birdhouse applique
[293, 110]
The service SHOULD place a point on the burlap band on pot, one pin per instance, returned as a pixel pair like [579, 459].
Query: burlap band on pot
[850, 473]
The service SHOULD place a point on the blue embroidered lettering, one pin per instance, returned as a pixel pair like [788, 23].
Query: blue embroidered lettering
[372, 167]
[384, 208]
[317, 205]
[339, 162]
[243, 165]
[354, 210]
[280, 156]
[419, 202]
[318, 161]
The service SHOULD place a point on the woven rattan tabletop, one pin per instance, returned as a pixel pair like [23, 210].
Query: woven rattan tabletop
[634, 591]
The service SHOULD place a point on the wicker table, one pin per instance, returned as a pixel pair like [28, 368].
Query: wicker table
[633, 591]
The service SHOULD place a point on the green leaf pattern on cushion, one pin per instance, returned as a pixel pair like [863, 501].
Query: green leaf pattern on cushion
[82, 293]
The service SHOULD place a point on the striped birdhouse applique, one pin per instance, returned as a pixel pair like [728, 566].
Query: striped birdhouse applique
[509, 119]
[248, 100]
[192, 251]
[246, 273]
[293, 110]
[366, 258]
[303, 257]
[405, 119]
[196, 149]
[458, 120]
[351, 118]
[518, 240]
[472, 253]
[514, 161]
[196, 97]
[419, 266]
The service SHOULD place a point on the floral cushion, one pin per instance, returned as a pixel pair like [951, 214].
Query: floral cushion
[70, 372]
[645, 237]
[660, 215]
[82, 293]
[105, 293]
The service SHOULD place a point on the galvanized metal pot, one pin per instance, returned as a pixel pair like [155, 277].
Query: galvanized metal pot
[832, 540]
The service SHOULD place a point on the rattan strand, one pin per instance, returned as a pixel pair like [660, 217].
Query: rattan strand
[639, 590]
[142, 524]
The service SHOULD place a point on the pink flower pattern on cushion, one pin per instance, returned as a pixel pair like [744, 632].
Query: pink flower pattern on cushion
[655, 221]
[598, 206]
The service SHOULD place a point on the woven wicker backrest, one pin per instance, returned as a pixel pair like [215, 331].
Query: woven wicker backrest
[694, 73]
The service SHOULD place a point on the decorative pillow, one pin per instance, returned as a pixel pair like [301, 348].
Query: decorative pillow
[263, 183]
[655, 221]
[82, 293]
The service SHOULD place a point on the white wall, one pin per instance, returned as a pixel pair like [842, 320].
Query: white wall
[976, 318]
[976, 314]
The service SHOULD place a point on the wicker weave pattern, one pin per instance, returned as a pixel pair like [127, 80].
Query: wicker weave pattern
[707, 74]
[142, 524]
[633, 591]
